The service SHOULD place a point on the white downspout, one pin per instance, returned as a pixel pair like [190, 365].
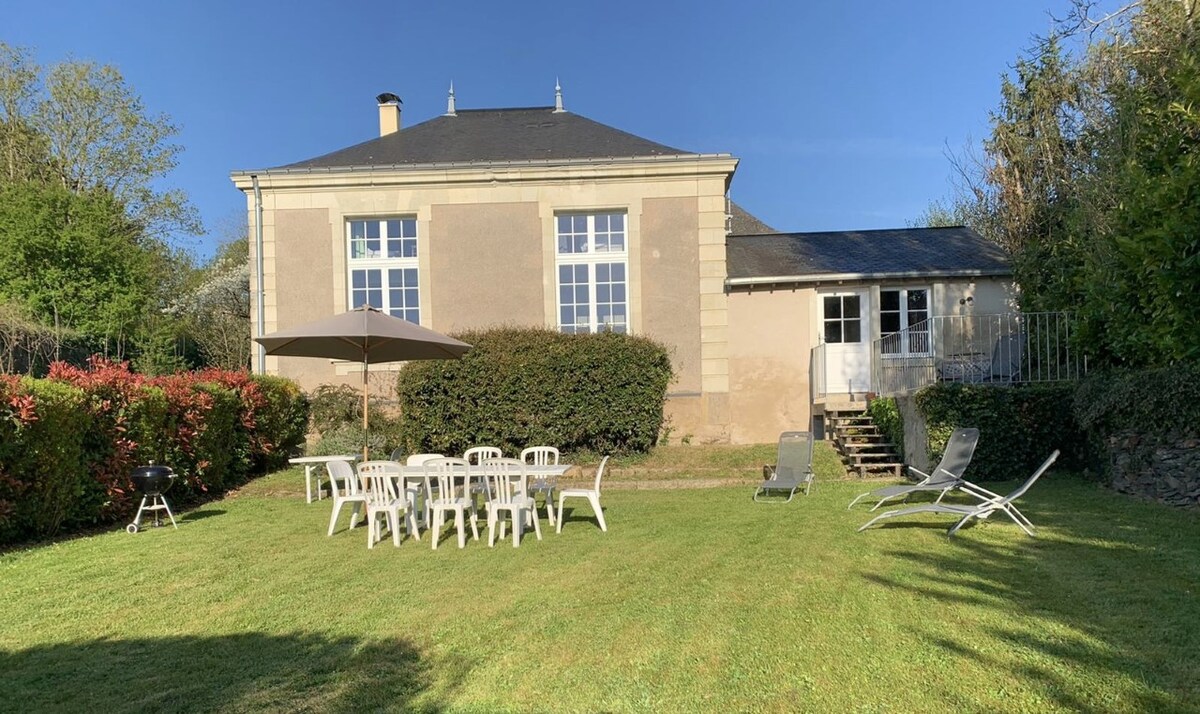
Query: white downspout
[258, 256]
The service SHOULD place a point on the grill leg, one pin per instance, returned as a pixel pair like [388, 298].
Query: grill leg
[168, 510]
[137, 520]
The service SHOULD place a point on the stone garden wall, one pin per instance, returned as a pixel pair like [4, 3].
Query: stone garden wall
[1164, 469]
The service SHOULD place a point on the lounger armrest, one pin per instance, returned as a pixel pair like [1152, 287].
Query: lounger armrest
[924, 476]
[980, 492]
[769, 471]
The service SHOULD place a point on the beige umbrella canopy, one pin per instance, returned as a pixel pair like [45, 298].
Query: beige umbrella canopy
[365, 335]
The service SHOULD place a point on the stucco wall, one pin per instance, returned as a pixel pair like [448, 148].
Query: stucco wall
[485, 265]
[770, 336]
[671, 284]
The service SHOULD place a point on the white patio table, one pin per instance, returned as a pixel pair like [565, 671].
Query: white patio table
[310, 462]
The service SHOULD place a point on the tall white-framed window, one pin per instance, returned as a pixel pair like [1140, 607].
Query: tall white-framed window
[381, 262]
[904, 321]
[592, 261]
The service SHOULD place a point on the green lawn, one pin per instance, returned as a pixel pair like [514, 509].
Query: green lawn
[695, 600]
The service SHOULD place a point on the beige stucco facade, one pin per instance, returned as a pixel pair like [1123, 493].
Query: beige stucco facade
[486, 254]
[772, 330]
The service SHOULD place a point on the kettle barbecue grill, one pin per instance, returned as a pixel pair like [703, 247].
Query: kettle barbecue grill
[151, 481]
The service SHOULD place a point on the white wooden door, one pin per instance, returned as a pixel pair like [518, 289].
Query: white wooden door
[845, 326]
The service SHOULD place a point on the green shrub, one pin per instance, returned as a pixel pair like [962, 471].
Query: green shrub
[336, 416]
[43, 468]
[1018, 425]
[1156, 401]
[284, 418]
[886, 416]
[523, 386]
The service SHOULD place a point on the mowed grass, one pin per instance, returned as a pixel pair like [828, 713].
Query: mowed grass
[695, 600]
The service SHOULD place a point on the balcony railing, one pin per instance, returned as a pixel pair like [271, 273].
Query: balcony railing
[1004, 348]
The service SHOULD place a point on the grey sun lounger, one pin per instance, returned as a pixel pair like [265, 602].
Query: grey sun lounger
[947, 476]
[989, 503]
[792, 468]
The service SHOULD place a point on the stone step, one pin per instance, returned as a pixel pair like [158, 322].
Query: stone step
[895, 469]
[869, 445]
[860, 458]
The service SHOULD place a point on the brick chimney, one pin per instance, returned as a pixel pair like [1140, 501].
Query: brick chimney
[389, 113]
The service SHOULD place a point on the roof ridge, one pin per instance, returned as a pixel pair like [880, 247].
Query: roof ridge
[505, 109]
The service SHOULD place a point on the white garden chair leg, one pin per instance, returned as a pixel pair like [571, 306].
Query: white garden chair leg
[559, 519]
[595, 501]
[462, 535]
[518, 518]
[537, 528]
[333, 518]
[437, 527]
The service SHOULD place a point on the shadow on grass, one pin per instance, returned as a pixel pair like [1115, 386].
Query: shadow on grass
[200, 515]
[572, 514]
[1107, 593]
[232, 673]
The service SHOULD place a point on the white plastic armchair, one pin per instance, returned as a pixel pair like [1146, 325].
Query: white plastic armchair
[545, 485]
[591, 494]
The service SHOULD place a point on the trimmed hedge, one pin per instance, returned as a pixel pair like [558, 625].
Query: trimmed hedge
[68, 443]
[1157, 401]
[1019, 425]
[523, 386]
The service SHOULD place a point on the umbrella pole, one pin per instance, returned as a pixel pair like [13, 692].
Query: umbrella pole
[365, 365]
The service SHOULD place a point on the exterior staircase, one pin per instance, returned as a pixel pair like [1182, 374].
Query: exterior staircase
[860, 444]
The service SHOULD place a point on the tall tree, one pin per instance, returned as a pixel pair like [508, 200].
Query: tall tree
[80, 125]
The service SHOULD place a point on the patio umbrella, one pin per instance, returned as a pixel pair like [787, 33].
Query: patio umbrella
[365, 335]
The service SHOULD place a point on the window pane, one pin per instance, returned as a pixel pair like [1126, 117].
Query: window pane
[358, 279]
[581, 274]
[850, 307]
[833, 310]
[358, 229]
[565, 273]
[395, 278]
[851, 331]
[833, 331]
[564, 224]
[409, 249]
[602, 273]
[410, 276]
[617, 223]
[618, 292]
[565, 314]
[374, 279]
[917, 300]
[602, 223]
[393, 228]
[618, 272]
[603, 293]
[889, 299]
[564, 294]
[889, 322]
[372, 229]
[918, 320]
[412, 298]
[413, 316]
[581, 294]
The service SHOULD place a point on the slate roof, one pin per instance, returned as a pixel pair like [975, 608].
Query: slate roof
[494, 135]
[742, 222]
[904, 252]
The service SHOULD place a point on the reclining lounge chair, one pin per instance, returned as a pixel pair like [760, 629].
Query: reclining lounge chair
[990, 503]
[947, 476]
[792, 468]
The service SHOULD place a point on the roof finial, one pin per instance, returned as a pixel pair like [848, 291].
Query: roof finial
[558, 107]
[450, 102]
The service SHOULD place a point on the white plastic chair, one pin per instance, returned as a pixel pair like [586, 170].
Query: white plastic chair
[419, 460]
[591, 494]
[545, 485]
[379, 479]
[451, 477]
[476, 456]
[507, 481]
[343, 483]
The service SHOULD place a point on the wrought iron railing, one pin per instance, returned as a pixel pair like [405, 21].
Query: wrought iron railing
[1007, 347]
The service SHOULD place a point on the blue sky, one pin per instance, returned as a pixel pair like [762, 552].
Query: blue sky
[841, 113]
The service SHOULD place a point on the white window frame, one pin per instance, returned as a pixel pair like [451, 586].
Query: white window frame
[384, 264]
[905, 323]
[591, 258]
